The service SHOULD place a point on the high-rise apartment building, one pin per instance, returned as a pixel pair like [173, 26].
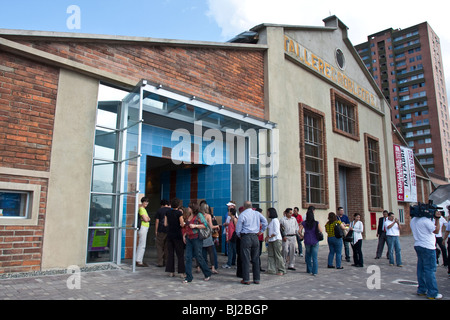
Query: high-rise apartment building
[407, 65]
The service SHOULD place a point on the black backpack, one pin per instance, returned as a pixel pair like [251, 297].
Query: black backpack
[338, 232]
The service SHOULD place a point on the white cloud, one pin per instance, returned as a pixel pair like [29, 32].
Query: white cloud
[362, 19]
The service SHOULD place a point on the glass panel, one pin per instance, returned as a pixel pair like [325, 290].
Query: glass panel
[130, 113]
[154, 101]
[102, 209]
[103, 176]
[183, 109]
[312, 165]
[312, 150]
[129, 209]
[130, 171]
[13, 204]
[100, 242]
[117, 139]
[105, 144]
[107, 117]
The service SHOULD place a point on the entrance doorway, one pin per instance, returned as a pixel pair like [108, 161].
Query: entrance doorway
[349, 193]
[161, 144]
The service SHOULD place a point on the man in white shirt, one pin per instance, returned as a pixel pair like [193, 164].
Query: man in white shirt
[291, 228]
[393, 239]
[424, 231]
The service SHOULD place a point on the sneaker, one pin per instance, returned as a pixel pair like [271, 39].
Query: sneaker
[421, 294]
[438, 297]
[225, 266]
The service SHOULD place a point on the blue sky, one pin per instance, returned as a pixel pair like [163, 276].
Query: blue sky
[221, 20]
[185, 19]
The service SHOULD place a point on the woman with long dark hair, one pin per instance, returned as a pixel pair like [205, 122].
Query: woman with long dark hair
[310, 227]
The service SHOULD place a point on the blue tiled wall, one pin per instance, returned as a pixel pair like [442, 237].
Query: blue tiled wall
[214, 182]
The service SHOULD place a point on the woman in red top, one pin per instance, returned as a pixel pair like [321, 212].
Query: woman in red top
[194, 244]
[230, 239]
[299, 218]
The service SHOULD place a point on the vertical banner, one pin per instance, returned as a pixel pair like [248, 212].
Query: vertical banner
[405, 172]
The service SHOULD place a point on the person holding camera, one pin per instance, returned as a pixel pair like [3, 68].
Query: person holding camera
[424, 231]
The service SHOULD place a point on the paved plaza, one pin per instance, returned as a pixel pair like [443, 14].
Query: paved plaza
[376, 281]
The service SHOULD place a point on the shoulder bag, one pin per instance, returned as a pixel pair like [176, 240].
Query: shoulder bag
[338, 232]
[204, 233]
[319, 235]
[349, 236]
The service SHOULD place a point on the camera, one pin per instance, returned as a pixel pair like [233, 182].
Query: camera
[427, 210]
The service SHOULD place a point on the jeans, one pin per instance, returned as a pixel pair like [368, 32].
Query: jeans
[335, 246]
[312, 265]
[426, 267]
[299, 244]
[394, 244]
[194, 250]
[231, 253]
[250, 254]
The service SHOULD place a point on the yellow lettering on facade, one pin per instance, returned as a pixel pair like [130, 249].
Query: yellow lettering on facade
[315, 62]
[318, 65]
[291, 46]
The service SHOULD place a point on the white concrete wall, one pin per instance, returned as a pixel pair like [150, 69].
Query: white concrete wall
[66, 221]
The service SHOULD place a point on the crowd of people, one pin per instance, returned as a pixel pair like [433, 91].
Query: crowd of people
[189, 235]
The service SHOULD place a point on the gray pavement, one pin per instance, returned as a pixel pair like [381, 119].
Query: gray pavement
[376, 281]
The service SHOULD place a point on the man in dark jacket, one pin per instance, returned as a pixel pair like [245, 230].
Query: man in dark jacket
[381, 234]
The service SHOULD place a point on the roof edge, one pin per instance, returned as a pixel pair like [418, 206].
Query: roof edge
[83, 37]
[291, 27]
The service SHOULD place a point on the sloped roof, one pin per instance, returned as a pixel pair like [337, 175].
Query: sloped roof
[441, 194]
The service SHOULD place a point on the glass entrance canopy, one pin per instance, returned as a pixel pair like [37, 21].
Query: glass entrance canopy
[158, 100]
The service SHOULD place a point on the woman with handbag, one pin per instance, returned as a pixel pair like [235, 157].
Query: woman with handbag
[191, 238]
[208, 243]
[275, 261]
[312, 235]
[357, 228]
[334, 242]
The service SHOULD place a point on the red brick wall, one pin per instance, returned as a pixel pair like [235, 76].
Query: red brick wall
[27, 109]
[233, 78]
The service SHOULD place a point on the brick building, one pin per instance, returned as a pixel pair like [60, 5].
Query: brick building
[89, 124]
